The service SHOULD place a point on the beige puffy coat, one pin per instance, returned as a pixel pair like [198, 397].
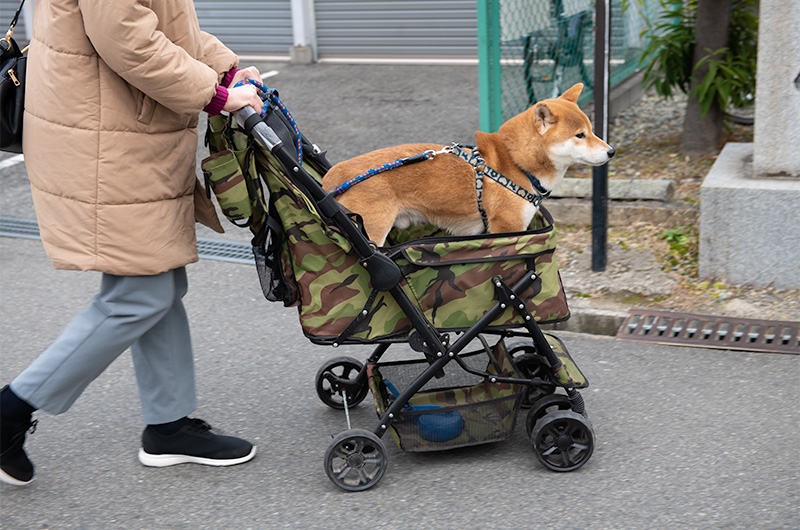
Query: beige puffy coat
[114, 89]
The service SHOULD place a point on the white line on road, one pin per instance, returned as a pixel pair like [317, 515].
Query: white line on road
[11, 161]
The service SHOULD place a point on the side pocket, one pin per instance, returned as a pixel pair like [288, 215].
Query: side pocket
[270, 257]
[224, 176]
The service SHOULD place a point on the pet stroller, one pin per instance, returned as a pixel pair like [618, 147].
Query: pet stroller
[436, 293]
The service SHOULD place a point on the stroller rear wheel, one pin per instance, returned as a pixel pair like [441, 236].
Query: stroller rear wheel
[337, 374]
[542, 406]
[563, 440]
[355, 460]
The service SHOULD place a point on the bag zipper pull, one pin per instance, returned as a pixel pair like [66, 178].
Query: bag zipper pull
[13, 77]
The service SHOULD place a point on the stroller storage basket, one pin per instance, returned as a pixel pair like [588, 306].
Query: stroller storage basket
[457, 410]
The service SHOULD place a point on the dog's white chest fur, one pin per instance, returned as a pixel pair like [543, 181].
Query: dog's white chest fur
[459, 227]
[527, 213]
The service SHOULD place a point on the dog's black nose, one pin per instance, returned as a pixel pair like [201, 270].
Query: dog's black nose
[611, 152]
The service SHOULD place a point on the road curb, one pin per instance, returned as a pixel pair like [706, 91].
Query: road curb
[591, 321]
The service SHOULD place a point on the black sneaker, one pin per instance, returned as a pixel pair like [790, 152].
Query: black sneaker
[15, 467]
[193, 443]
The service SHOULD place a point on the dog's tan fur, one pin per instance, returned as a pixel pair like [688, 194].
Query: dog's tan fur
[543, 140]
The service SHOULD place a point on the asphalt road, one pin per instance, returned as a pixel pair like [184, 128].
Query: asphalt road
[686, 438]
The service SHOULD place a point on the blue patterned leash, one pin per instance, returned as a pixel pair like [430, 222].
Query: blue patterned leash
[474, 158]
[272, 99]
[427, 155]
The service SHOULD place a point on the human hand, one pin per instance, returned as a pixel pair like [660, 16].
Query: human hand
[241, 96]
[251, 72]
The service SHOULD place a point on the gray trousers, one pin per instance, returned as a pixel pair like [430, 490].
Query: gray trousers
[144, 313]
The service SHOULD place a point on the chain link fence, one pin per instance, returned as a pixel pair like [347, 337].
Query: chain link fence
[531, 50]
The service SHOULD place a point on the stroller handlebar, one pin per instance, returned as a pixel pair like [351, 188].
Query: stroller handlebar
[253, 125]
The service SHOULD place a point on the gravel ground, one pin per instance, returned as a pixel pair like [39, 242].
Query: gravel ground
[655, 266]
[650, 116]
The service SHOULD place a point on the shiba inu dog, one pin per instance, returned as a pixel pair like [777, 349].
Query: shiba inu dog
[457, 188]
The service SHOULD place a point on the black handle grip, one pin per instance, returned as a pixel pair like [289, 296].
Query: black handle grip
[253, 125]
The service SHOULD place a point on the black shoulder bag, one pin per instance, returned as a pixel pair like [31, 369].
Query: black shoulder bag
[12, 90]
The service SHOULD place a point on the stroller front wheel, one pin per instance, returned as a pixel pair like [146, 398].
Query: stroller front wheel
[337, 374]
[356, 460]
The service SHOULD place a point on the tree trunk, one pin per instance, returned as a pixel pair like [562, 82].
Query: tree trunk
[702, 136]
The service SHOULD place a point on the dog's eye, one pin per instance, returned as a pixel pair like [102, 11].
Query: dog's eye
[580, 135]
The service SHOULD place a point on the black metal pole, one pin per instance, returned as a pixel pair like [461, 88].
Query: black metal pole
[600, 173]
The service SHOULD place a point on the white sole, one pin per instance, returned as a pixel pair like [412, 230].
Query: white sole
[8, 479]
[171, 460]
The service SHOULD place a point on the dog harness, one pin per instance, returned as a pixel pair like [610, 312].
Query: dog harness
[481, 169]
[470, 154]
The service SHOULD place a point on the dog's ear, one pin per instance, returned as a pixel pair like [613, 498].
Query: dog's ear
[573, 93]
[543, 117]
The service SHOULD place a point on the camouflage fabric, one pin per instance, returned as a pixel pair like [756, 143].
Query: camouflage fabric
[487, 411]
[231, 175]
[448, 277]
[569, 375]
[226, 179]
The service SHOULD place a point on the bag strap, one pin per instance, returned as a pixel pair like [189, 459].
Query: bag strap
[14, 21]
[363, 314]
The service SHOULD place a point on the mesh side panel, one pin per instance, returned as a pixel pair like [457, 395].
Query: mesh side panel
[272, 282]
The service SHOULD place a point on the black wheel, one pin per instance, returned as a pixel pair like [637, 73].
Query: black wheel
[356, 460]
[563, 440]
[345, 368]
[544, 405]
[532, 366]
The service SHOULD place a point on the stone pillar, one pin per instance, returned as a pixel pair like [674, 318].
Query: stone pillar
[777, 125]
[750, 199]
[304, 32]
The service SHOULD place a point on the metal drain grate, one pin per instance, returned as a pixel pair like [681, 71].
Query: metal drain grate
[216, 249]
[728, 333]
[22, 228]
[233, 251]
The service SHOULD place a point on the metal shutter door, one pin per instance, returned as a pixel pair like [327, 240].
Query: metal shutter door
[249, 27]
[389, 28]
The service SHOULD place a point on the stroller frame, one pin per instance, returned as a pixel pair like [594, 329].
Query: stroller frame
[356, 460]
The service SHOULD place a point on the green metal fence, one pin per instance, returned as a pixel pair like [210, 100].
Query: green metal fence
[535, 49]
